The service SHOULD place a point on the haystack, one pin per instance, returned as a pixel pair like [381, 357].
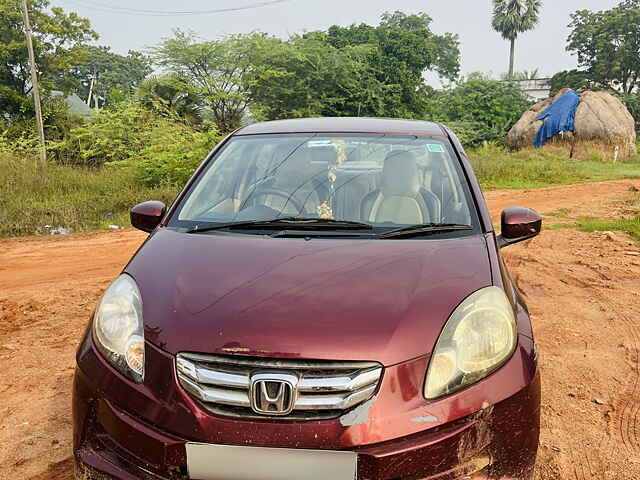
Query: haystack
[602, 124]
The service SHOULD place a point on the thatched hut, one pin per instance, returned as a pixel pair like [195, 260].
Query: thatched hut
[602, 124]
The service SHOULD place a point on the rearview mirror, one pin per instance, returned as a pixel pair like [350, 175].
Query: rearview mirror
[518, 224]
[147, 216]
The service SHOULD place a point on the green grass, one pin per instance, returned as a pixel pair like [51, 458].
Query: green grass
[627, 225]
[499, 169]
[64, 196]
[630, 225]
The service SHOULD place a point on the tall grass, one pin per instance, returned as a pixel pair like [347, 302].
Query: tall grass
[33, 197]
[497, 168]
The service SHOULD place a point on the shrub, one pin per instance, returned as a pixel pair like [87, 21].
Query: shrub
[109, 136]
[473, 134]
[479, 109]
[171, 156]
[20, 136]
[157, 149]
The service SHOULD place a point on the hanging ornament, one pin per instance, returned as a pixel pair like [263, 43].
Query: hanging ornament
[324, 210]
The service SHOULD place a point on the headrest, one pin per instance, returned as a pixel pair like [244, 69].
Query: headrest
[400, 174]
[301, 165]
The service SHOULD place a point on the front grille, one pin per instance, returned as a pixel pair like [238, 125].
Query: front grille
[324, 390]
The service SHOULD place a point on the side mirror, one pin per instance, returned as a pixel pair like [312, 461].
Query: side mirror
[146, 216]
[518, 224]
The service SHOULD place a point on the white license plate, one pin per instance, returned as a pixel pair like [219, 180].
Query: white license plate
[224, 462]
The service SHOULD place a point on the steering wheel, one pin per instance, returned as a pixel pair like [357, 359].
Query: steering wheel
[289, 200]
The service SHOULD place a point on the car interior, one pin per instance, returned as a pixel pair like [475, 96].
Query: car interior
[358, 181]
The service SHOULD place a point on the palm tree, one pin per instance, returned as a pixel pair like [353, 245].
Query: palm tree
[170, 95]
[513, 17]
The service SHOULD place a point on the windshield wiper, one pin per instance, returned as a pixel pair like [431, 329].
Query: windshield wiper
[424, 228]
[285, 222]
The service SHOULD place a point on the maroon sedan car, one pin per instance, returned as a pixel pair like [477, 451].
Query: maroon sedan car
[325, 300]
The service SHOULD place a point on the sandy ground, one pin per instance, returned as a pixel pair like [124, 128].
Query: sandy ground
[583, 290]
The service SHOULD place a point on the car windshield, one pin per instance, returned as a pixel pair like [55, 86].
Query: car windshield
[383, 180]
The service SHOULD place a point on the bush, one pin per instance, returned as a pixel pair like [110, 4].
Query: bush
[171, 156]
[20, 136]
[97, 171]
[109, 136]
[157, 150]
[479, 109]
[473, 134]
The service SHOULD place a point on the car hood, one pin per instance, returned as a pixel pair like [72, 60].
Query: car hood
[379, 300]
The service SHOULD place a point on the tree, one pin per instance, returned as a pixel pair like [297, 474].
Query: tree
[513, 17]
[357, 70]
[171, 96]
[57, 40]
[216, 70]
[307, 77]
[109, 75]
[574, 79]
[607, 44]
[401, 50]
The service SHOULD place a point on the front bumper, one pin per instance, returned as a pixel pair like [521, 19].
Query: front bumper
[490, 430]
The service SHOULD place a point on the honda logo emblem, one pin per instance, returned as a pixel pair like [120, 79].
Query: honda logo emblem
[273, 393]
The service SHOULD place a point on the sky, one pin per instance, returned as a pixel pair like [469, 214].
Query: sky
[483, 50]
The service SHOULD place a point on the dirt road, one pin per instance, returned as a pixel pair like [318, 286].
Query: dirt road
[583, 290]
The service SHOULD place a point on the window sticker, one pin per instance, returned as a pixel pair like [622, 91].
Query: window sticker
[435, 148]
[319, 143]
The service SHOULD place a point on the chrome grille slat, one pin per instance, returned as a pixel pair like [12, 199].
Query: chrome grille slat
[339, 384]
[333, 402]
[281, 363]
[216, 395]
[325, 389]
[205, 375]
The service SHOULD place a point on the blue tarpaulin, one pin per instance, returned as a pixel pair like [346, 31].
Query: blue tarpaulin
[559, 117]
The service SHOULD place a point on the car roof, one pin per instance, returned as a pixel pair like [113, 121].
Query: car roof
[344, 125]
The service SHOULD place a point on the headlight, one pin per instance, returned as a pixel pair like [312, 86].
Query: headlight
[118, 328]
[479, 337]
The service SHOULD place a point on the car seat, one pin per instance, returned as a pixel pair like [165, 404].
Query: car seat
[400, 198]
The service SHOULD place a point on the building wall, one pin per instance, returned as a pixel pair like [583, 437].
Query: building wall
[537, 89]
